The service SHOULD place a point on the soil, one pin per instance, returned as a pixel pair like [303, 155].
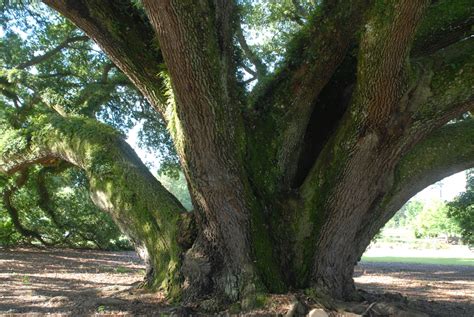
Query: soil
[89, 282]
[438, 290]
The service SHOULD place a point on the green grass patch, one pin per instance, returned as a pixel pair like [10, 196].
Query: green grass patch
[439, 261]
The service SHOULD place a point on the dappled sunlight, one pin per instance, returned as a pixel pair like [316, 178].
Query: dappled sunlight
[418, 281]
[74, 281]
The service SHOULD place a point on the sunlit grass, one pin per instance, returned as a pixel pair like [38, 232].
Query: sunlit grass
[426, 260]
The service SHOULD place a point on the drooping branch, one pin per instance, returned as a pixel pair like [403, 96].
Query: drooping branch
[44, 201]
[119, 183]
[125, 36]
[49, 54]
[46, 204]
[8, 193]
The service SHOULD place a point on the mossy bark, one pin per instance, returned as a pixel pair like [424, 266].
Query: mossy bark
[264, 220]
[120, 184]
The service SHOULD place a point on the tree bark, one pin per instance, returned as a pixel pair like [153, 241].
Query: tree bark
[264, 220]
[119, 183]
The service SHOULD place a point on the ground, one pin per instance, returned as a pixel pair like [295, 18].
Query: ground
[86, 282]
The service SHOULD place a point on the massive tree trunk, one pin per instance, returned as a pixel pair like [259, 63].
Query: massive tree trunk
[291, 182]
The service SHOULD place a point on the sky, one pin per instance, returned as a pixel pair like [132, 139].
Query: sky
[446, 189]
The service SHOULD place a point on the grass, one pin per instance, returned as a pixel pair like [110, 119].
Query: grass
[430, 260]
[121, 269]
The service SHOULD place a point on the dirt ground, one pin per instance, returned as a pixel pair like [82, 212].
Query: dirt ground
[87, 282]
[439, 290]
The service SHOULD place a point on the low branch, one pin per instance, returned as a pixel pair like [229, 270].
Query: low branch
[119, 183]
[44, 57]
[446, 151]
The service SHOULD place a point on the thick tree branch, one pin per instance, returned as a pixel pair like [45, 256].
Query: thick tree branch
[445, 86]
[446, 151]
[382, 75]
[119, 182]
[125, 36]
[283, 105]
[196, 41]
[445, 23]
[44, 57]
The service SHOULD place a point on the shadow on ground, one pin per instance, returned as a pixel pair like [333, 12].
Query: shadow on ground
[88, 282]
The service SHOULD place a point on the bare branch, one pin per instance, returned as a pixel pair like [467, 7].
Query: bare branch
[253, 58]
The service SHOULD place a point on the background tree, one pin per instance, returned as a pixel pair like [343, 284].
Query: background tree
[292, 176]
[461, 210]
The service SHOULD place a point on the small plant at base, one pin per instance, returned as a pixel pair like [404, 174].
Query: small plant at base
[25, 279]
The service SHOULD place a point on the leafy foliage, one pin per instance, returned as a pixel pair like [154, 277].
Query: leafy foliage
[68, 218]
[461, 210]
[176, 184]
[433, 221]
[406, 215]
[47, 65]
[273, 24]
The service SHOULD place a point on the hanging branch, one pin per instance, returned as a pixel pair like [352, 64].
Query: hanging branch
[8, 194]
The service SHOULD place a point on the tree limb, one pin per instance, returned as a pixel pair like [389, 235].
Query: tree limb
[125, 36]
[41, 58]
[261, 69]
[382, 68]
[445, 23]
[445, 86]
[446, 151]
[283, 105]
[119, 183]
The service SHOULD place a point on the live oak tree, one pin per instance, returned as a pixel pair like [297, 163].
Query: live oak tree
[292, 177]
